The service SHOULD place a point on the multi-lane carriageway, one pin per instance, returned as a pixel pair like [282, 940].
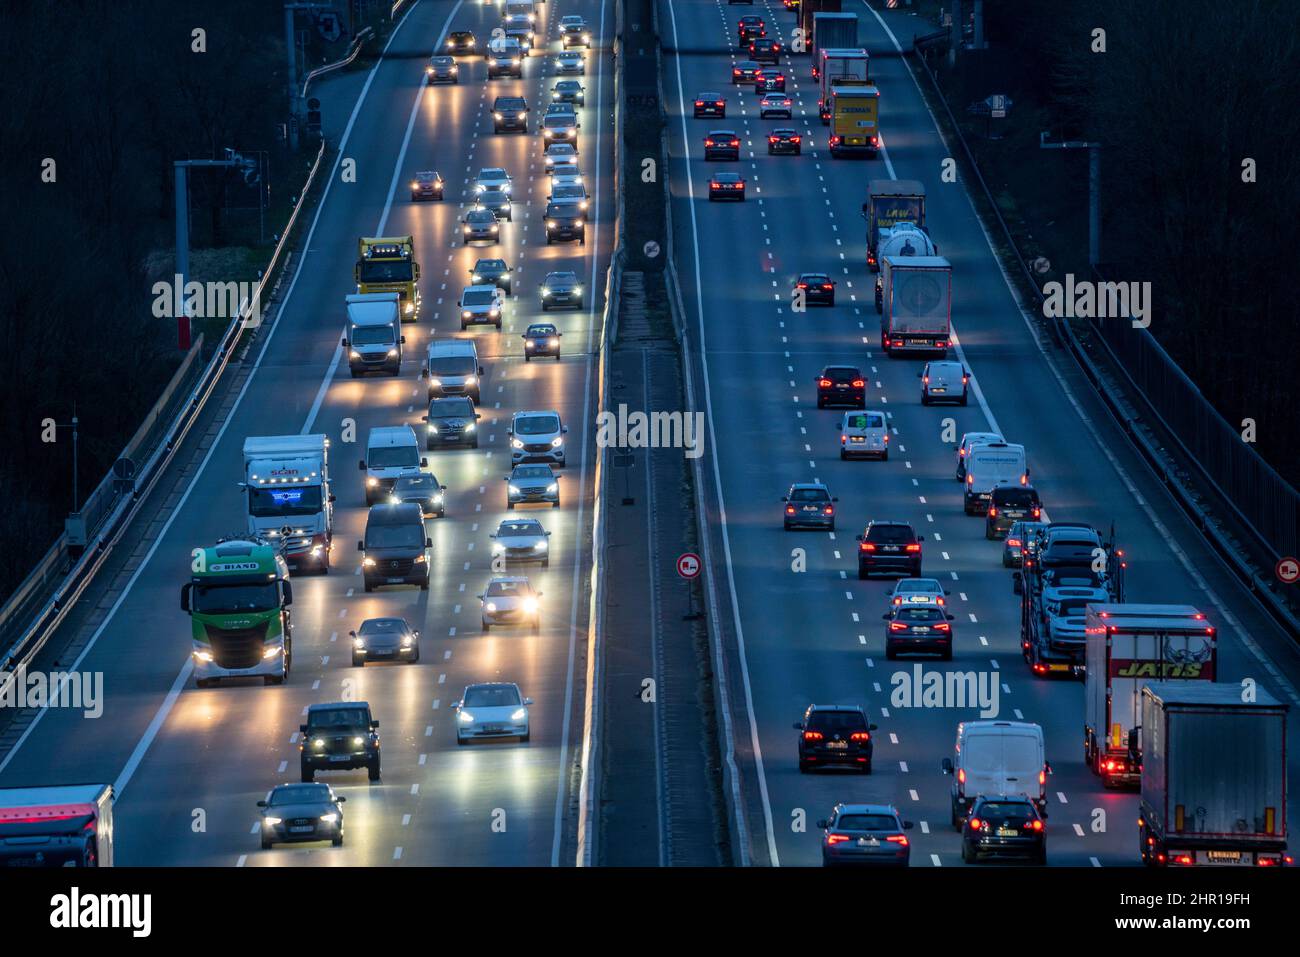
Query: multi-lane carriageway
[817, 635]
[190, 765]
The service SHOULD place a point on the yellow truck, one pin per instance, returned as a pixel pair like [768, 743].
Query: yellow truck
[854, 122]
[387, 264]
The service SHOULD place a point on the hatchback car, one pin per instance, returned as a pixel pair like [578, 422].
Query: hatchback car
[1021, 540]
[461, 41]
[784, 142]
[832, 735]
[764, 50]
[532, 484]
[809, 505]
[911, 628]
[817, 287]
[451, 420]
[481, 305]
[917, 591]
[480, 225]
[968, 441]
[510, 113]
[1004, 827]
[727, 185]
[442, 69]
[537, 437]
[493, 272]
[424, 491]
[841, 385]
[560, 128]
[488, 711]
[710, 104]
[510, 601]
[864, 434]
[561, 289]
[541, 339]
[574, 32]
[427, 184]
[769, 81]
[522, 540]
[385, 638]
[301, 812]
[496, 200]
[865, 835]
[889, 547]
[744, 72]
[722, 144]
[1010, 504]
[750, 27]
[570, 62]
[775, 104]
[569, 91]
[944, 382]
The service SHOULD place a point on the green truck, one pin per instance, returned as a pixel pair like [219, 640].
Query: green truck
[238, 600]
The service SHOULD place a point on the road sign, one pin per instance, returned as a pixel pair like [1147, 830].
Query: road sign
[688, 565]
[329, 26]
[1287, 571]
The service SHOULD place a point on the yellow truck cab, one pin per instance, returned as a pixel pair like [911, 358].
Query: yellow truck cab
[854, 121]
[387, 264]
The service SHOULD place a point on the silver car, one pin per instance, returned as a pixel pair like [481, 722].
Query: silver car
[391, 639]
[809, 505]
[537, 436]
[570, 62]
[943, 382]
[442, 69]
[574, 193]
[917, 591]
[522, 540]
[775, 104]
[532, 485]
[495, 710]
[561, 157]
[481, 304]
[510, 600]
[493, 177]
[480, 225]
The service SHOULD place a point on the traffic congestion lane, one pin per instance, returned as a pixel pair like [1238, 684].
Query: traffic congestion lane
[245, 746]
[809, 205]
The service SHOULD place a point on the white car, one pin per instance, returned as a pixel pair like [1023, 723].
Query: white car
[481, 304]
[570, 62]
[775, 104]
[574, 32]
[495, 710]
[522, 540]
[968, 441]
[864, 433]
[917, 591]
[537, 437]
[944, 382]
[561, 157]
[493, 178]
[574, 193]
[510, 601]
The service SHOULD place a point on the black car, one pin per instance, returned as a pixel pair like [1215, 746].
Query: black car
[745, 72]
[764, 50]
[841, 385]
[510, 113]
[868, 835]
[427, 184]
[832, 735]
[492, 272]
[395, 550]
[727, 186]
[1004, 827]
[461, 41]
[451, 421]
[496, 200]
[722, 144]
[565, 221]
[422, 490]
[338, 737]
[541, 339]
[769, 81]
[1009, 504]
[817, 287]
[889, 547]
[710, 104]
[911, 628]
[385, 638]
[750, 27]
[561, 289]
[785, 141]
[301, 812]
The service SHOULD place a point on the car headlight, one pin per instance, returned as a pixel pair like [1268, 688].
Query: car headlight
[490, 606]
[420, 559]
[368, 562]
[392, 353]
[475, 278]
[415, 186]
[553, 342]
[466, 718]
[553, 487]
[354, 354]
[555, 94]
[467, 227]
[514, 490]
[270, 652]
[546, 290]
[409, 308]
[203, 655]
[359, 643]
[318, 743]
[272, 821]
[556, 442]
[433, 429]
[498, 548]
[530, 604]
[519, 715]
[358, 741]
[514, 61]
[329, 818]
[523, 116]
[372, 482]
[494, 312]
[577, 288]
[465, 314]
[550, 224]
[494, 227]
[547, 132]
[539, 547]
[577, 222]
[516, 443]
[497, 116]
[407, 640]
[586, 38]
[528, 344]
[469, 427]
[471, 380]
[436, 383]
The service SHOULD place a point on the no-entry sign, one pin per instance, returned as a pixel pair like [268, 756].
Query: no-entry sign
[1287, 570]
[688, 565]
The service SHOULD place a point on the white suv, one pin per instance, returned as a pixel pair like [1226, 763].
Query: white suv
[537, 437]
[482, 304]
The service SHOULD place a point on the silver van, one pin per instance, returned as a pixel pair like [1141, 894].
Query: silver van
[372, 335]
[451, 368]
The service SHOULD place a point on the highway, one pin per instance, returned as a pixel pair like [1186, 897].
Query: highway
[189, 765]
[816, 635]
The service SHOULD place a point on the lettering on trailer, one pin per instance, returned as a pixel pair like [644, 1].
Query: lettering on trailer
[1135, 668]
[235, 567]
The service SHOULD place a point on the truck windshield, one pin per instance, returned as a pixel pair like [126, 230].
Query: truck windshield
[537, 424]
[266, 502]
[391, 270]
[396, 456]
[395, 536]
[216, 598]
[372, 336]
[452, 365]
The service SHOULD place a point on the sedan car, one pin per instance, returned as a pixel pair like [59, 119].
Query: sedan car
[495, 710]
[481, 305]
[442, 69]
[1021, 540]
[864, 434]
[561, 289]
[769, 81]
[426, 184]
[722, 144]
[532, 484]
[889, 547]
[522, 540]
[570, 62]
[809, 505]
[493, 177]
[727, 185]
[834, 735]
[541, 339]
[710, 104]
[509, 601]
[560, 128]
[841, 385]
[574, 32]
[817, 288]
[865, 835]
[784, 141]
[569, 91]
[968, 441]
[764, 50]
[775, 104]
[461, 41]
[917, 591]
[480, 225]
[911, 628]
[750, 27]
[493, 272]
[497, 201]
[1004, 827]
[944, 382]
[301, 812]
[746, 71]
[561, 157]
[378, 639]
[423, 490]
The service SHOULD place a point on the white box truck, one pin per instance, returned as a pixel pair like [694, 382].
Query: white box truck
[290, 502]
[916, 304]
[1128, 646]
[838, 65]
[64, 826]
[1213, 777]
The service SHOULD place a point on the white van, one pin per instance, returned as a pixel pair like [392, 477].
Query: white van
[392, 452]
[989, 465]
[519, 8]
[997, 758]
[451, 368]
[373, 335]
[864, 433]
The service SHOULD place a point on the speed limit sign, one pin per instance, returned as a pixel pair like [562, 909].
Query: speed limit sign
[1287, 571]
[688, 565]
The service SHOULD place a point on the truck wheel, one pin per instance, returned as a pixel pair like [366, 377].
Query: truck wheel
[369, 588]
[308, 775]
[273, 679]
[358, 662]
[486, 627]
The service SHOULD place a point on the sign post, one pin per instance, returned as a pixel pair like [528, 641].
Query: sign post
[688, 567]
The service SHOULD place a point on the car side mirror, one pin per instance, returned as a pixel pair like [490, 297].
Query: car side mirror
[908, 825]
[920, 538]
[478, 415]
[424, 418]
[374, 725]
[885, 616]
[950, 617]
[798, 726]
[918, 375]
[341, 798]
[428, 543]
[344, 342]
[424, 373]
[547, 534]
[538, 594]
[872, 727]
[352, 633]
[946, 765]
[480, 370]
[1047, 766]
[857, 538]
[402, 339]
[261, 804]
[528, 701]
[835, 498]
[361, 546]
[479, 597]
[785, 498]
[442, 488]
[302, 728]
[424, 463]
[564, 428]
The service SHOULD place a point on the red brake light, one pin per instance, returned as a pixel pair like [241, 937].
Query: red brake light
[1034, 825]
[771, 139]
[708, 142]
[699, 102]
[796, 139]
[943, 626]
[719, 103]
[860, 736]
[789, 510]
[836, 838]
[961, 775]
[868, 547]
[1024, 480]
[897, 839]
[824, 383]
[1037, 512]
[813, 736]
[913, 548]
[993, 511]
[897, 626]
[1013, 542]
[1042, 777]
[976, 824]
[858, 383]
[830, 509]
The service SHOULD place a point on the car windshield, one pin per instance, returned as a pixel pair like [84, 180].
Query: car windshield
[868, 421]
[836, 721]
[220, 599]
[446, 407]
[866, 822]
[508, 590]
[393, 270]
[414, 483]
[919, 614]
[537, 424]
[890, 534]
[407, 535]
[566, 192]
[1001, 810]
[490, 267]
[383, 626]
[537, 332]
[492, 696]
[394, 456]
[560, 149]
[839, 373]
[808, 495]
[1073, 607]
[480, 217]
[479, 297]
[558, 121]
[533, 472]
[338, 718]
[1015, 497]
[510, 529]
[917, 585]
[372, 336]
[299, 794]
[265, 502]
[452, 365]
[1073, 579]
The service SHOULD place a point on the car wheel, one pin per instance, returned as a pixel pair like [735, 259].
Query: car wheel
[862, 573]
[966, 855]
[832, 526]
[308, 775]
[474, 444]
[787, 526]
[947, 655]
[415, 657]
[884, 456]
[510, 505]
[461, 741]
[486, 626]
[525, 738]
[555, 504]
[358, 662]
[203, 682]
[890, 653]
[916, 570]
[803, 768]
[843, 456]
[266, 844]
[273, 679]
[546, 563]
[925, 399]
[1041, 857]
[867, 768]
[963, 398]
[372, 770]
[337, 840]
[557, 357]
[424, 585]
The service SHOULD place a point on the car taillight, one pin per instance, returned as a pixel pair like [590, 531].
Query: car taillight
[897, 626]
[813, 736]
[961, 775]
[1033, 825]
[1042, 777]
[858, 383]
[708, 142]
[824, 383]
[993, 511]
[789, 510]
[832, 839]
[1013, 542]
[970, 479]
[796, 139]
[943, 626]
[771, 139]
[1024, 480]
[826, 285]
[1181, 859]
[719, 103]
[913, 548]
[976, 824]
[867, 547]
[829, 509]
[925, 379]
[1037, 512]
[860, 736]
[897, 839]
[835, 140]
[699, 102]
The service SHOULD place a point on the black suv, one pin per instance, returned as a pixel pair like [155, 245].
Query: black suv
[1004, 827]
[395, 550]
[841, 385]
[339, 736]
[510, 113]
[565, 221]
[1010, 504]
[834, 734]
[452, 421]
[889, 547]
[492, 272]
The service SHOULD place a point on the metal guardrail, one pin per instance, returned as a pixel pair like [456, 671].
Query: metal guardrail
[118, 513]
[358, 42]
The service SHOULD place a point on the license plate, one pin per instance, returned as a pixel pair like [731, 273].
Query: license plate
[1058, 667]
[301, 829]
[838, 745]
[1007, 832]
[857, 439]
[1224, 857]
[938, 390]
[395, 581]
[889, 548]
[868, 842]
[340, 757]
[921, 628]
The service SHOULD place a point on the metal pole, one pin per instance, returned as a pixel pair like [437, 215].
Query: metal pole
[76, 497]
[978, 38]
[1094, 203]
[291, 50]
[182, 255]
